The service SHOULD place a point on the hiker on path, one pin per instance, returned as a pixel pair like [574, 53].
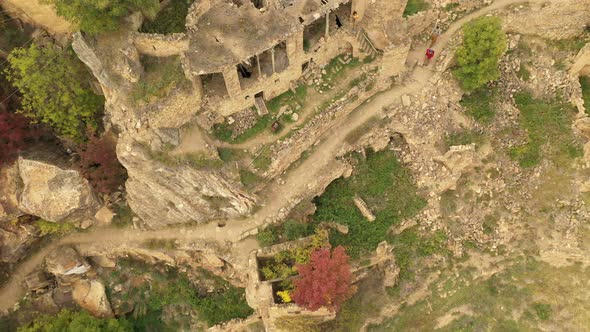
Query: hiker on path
[429, 56]
[436, 31]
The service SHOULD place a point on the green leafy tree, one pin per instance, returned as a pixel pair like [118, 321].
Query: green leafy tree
[55, 87]
[95, 16]
[76, 321]
[484, 42]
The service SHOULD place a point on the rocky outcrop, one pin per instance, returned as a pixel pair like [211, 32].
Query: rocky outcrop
[53, 193]
[164, 195]
[15, 241]
[66, 261]
[9, 189]
[91, 296]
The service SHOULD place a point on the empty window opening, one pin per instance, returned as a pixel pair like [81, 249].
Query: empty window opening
[341, 18]
[258, 3]
[313, 33]
[214, 85]
[248, 72]
[304, 66]
[281, 58]
[266, 63]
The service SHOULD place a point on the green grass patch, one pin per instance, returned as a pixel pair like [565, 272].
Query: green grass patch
[229, 154]
[463, 137]
[569, 45]
[449, 7]
[249, 179]
[523, 73]
[480, 104]
[171, 19]
[585, 83]
[548, 123]
[388, 189]
[414, 7]
[123, 216]
[410, 246]
[543, 310]
[54, 228]
[160, 77]
[290, 230]
[263, 160]
[493, 302]
[158, 287]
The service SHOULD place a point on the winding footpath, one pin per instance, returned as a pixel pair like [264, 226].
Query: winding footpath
[279, 196]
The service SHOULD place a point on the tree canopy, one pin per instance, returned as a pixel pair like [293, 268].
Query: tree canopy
[55, 88]
[324, 281]
[484, 42]
[95, 16]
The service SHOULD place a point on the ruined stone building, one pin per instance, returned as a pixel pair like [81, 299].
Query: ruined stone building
[239, 53]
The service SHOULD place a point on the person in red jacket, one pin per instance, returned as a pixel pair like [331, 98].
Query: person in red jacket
[429, 56]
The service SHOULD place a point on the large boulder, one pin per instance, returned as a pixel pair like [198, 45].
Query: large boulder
[53, 193]
[91, 296]
[65, 261]
[163, 195]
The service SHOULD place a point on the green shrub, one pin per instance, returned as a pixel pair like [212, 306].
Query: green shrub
[249, 179]
[388, 189]
[542, 310]
[293, 230]
[484, 42]
[171, 19]
[480, 104]
[266, 237]
[415, 6]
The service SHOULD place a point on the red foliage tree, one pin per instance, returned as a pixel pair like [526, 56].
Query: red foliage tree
[324, 281]
[99, 165]
[16, 134]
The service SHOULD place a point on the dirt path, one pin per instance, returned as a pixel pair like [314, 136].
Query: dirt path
[296, 182]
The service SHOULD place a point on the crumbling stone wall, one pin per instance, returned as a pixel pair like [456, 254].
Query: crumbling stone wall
[161, 45]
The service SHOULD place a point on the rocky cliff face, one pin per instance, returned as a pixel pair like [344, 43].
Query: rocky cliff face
[161, 195]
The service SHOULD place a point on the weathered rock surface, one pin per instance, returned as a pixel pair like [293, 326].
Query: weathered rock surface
[66, 261]
[53, 193]
[162, 195]
[541, 19]
[15, 241]
[90, 295]
[9, 188]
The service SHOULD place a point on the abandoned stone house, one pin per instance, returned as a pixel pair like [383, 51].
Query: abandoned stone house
[239, 53]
